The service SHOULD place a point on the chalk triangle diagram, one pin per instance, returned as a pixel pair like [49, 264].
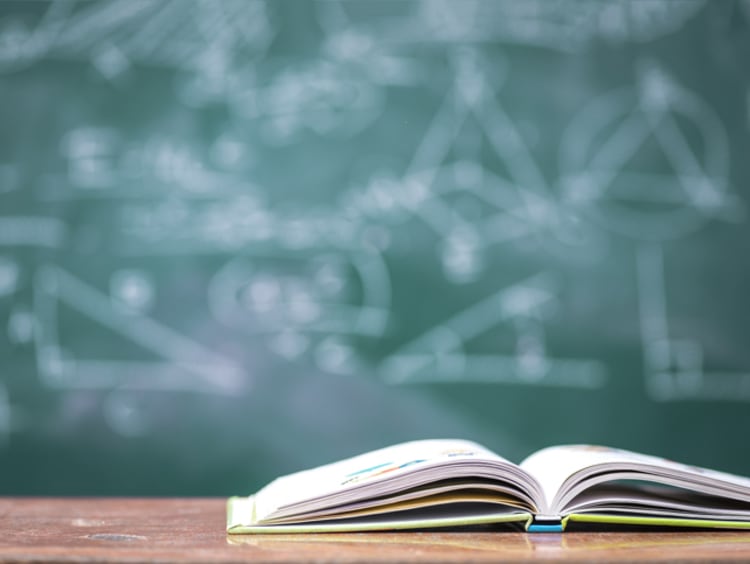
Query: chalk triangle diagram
[181, 364]
[516, 200]
[650, 162]
[674, 368]
[439, 354]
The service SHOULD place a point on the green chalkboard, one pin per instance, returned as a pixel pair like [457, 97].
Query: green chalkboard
[239, 238]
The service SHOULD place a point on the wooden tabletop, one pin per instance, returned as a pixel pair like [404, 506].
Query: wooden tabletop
[192, 530]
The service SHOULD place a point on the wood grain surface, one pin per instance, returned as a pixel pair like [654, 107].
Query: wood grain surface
[192, 530]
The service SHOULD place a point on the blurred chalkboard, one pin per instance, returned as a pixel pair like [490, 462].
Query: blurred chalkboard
[239, 238]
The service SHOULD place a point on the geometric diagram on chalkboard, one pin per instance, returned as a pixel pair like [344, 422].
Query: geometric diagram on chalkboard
[324, 96]
[674, 368]
[440, 354]
[565, 26]
[506, 192]
[302, 302]
[117, 33]
[176, 362]
[649, 162]
[102, 164]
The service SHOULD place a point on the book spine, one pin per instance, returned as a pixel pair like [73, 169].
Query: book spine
[545, 524]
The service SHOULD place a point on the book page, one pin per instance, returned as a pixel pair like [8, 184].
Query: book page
[657, 500]
[367, 472]
[554, 465]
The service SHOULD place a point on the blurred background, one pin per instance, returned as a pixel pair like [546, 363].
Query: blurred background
[240, 238]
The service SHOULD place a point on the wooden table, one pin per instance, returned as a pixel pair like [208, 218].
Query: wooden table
[192, 530]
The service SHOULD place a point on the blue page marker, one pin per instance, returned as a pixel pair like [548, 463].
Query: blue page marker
[545, 528]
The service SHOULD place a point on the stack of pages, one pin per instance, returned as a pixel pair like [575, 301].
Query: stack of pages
[448, 483]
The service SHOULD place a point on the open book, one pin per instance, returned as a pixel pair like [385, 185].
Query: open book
[441, 483]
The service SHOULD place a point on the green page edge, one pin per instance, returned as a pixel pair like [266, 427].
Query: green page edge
[653, 521]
